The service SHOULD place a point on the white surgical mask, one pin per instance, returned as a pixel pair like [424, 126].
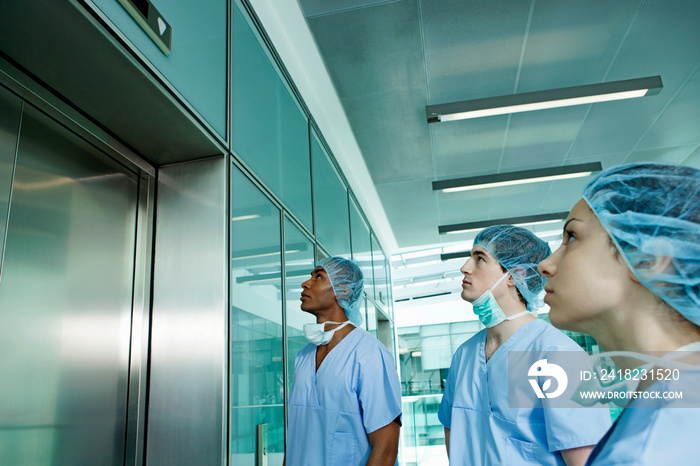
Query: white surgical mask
[487, 309]
[629, 383]
[317, 335]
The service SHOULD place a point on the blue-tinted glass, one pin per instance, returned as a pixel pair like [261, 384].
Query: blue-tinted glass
[10, 109]
[378, 264]
[361, 246]
[270, 132]
[299, 262]
[331, 204]
[257, 375]
[196, 66]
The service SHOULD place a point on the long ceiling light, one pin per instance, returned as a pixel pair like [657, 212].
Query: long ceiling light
[519, 221]
[553, 98]
[520, 177]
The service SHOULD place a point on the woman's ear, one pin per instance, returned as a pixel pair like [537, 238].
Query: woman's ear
[653, 266]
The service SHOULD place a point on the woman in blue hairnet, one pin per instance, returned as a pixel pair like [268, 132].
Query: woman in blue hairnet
[628, 274]
[345, 404]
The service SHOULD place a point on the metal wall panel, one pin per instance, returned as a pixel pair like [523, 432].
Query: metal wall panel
[187, 395]
[66, 301]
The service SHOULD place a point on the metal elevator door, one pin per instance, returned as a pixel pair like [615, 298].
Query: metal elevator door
[66, 289]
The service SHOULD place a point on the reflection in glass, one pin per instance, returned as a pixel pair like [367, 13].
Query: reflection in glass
[299, 262]
[257, 378]
[380, 282]
[361, 246]
[10, 108]
[331, 204]
[270, 132]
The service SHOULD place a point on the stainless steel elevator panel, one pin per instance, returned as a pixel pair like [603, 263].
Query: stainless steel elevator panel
[188, 343]
[66, 301]
[10, 112]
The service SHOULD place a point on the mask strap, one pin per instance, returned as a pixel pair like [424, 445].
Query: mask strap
[499, 281]
[519, 314]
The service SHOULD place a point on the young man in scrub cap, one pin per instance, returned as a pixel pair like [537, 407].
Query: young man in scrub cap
[345, 404]
[502, 283]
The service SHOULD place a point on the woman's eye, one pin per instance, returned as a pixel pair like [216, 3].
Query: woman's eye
[570, 237]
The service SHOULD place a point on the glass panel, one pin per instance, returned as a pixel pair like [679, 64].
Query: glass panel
[270, 132]
[378, 263]
[65, 302]
[10, 109]
[424, 436]
[299, 262]
[196, 66]
[257, 385]
[389, 288]
[331, 204]
[361, 246]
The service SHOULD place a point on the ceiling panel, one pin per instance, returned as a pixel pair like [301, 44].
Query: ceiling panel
[472, 47]
[412, 210]
[375, 59]
[573, 43]
[541, 139]
[678, 124]
[468, 147]
[320, 7]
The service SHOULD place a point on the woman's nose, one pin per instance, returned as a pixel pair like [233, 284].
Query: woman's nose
[548, 266]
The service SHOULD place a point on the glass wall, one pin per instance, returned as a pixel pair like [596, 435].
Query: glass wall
[256, 357]
[282, 163]
[361, 246]
[330, 203]
[270, 131]
[299, 262]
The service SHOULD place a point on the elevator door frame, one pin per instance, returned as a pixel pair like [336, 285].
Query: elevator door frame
[32, 93]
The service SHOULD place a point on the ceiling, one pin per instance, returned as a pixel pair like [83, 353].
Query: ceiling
[389, 59]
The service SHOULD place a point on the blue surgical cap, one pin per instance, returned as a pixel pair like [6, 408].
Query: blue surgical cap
[652, 210]
[346, 280]
[519, 251]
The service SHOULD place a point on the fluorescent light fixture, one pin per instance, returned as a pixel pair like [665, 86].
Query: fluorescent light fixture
[519, 177]
[519, 221]
[553, 98]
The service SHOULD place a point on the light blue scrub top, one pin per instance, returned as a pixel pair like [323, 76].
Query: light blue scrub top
[485, 431]
[355, 391]
[653, 432]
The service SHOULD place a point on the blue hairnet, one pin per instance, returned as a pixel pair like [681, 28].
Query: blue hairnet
[519, 251]
[346, 280]
[652, 210]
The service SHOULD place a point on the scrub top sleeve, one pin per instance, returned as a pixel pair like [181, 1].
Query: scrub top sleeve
[575, 427]
[445, 411]
[379, 391]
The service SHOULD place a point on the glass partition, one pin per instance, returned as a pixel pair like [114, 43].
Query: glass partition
[10, 108]
[378, 264]
[361, 246]
[270, 131]
[256, 358]
[299, 262]
[330, 203]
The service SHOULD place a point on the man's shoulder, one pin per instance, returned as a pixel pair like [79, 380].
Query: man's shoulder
[471, 345]
[366, 345]
[548, 337]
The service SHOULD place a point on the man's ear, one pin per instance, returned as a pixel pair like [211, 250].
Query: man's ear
[517, 272]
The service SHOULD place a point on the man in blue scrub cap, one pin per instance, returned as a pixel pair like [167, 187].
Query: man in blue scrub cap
[503, 285]
[345, 404]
